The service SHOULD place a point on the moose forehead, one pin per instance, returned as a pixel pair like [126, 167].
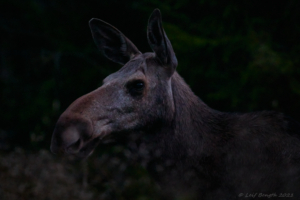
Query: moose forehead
[134, 69]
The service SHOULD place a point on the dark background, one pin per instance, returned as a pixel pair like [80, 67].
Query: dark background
[237, 56]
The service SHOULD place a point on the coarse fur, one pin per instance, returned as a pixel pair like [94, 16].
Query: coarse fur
[194, 151]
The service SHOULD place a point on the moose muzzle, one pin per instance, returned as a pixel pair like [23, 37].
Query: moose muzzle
[73, 135]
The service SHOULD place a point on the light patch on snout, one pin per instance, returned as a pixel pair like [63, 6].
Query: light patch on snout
[71, 138]
[70, 135]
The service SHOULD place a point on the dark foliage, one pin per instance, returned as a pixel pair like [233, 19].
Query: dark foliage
[237, 56]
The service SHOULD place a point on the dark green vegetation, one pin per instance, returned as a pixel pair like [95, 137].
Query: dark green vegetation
[237, 56]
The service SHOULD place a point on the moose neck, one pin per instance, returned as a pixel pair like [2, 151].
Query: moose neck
[193, 122]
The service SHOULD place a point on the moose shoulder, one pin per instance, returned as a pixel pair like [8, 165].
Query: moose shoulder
[205, 154]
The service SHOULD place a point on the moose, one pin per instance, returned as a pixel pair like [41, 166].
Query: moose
[193, 150]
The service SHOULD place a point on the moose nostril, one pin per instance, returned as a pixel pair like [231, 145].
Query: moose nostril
[75, 147]
[65, 140]
[70, 134]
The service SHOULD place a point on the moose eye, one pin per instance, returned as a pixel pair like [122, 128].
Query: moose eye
[139, 86]
[136, 87]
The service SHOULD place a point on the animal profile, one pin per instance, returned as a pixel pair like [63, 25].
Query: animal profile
[193, 150]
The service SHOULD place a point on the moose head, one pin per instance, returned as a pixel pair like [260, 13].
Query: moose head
[138, 97]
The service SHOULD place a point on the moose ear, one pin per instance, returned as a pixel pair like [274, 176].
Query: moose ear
[111, 42]
[160, 43]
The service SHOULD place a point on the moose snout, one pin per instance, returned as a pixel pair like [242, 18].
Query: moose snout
[70, 134]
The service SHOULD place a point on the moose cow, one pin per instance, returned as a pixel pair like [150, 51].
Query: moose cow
[193, 150]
